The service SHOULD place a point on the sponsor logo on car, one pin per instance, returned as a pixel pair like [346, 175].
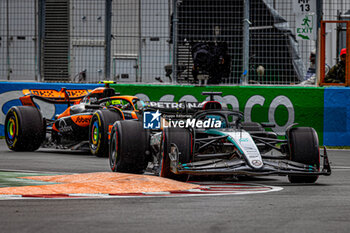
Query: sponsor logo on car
[83, 120]
[63, 127]
[243, 140]
[172, 105]
[256, 163]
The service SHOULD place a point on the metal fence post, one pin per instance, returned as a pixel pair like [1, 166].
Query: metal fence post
[246, 22]
[319, 16]
[139, 59]
[7, 41]
[175, 20]
[36, 27]
[41, 35]
[319, 12]
[108, 35]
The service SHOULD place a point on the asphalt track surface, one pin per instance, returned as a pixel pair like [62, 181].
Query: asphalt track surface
[321, 207]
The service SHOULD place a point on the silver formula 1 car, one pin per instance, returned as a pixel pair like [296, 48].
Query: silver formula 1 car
[226, 147]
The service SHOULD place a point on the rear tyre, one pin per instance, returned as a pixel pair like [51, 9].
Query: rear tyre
[183, 140]
[303, 148]
[99, 127]
[25, 128]
[128, 147]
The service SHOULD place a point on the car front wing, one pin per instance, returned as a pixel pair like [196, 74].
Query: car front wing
[238, 166]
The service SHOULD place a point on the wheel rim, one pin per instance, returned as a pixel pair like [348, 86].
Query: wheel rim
[11, 128]
[114, 153]
[95, 134]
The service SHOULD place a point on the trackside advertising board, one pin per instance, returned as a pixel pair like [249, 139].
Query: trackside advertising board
[280, 105]
[337, 116]
[319, 107]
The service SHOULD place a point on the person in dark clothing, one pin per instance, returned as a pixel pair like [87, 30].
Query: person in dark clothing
[337, 73]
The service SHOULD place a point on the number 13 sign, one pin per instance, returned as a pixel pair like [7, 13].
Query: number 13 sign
[304, 6]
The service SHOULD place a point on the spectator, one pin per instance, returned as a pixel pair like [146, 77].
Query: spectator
[337, 73]
[310, 76]
[312, 68]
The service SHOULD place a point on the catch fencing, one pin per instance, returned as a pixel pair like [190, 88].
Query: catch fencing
[231, 42]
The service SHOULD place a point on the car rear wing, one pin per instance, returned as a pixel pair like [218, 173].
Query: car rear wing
[63, 96]
[57, 95]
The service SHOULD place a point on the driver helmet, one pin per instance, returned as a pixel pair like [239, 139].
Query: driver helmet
[114, 103]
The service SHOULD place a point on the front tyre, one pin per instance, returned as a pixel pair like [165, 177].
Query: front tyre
[25, 128]
[303, 148]
[129, 147]
[99, 129]
[183, 140]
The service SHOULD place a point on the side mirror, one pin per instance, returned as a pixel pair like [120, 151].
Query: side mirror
[268, 125]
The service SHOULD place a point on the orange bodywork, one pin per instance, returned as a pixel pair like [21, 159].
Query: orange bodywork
[55, 128]
[64, 114]
[110, 127]
[27, 100]
[75, 96]
[121, 113]
[134, 116]
[128, 98]
[82, 120]
[98, 90]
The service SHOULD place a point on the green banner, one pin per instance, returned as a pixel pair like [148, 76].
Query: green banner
[280, 105]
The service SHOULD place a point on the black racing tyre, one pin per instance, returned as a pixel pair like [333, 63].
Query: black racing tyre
[252, 126]
[129, 147]
[100, 123]
[303, 148]
[183, 140]
[25, 128]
